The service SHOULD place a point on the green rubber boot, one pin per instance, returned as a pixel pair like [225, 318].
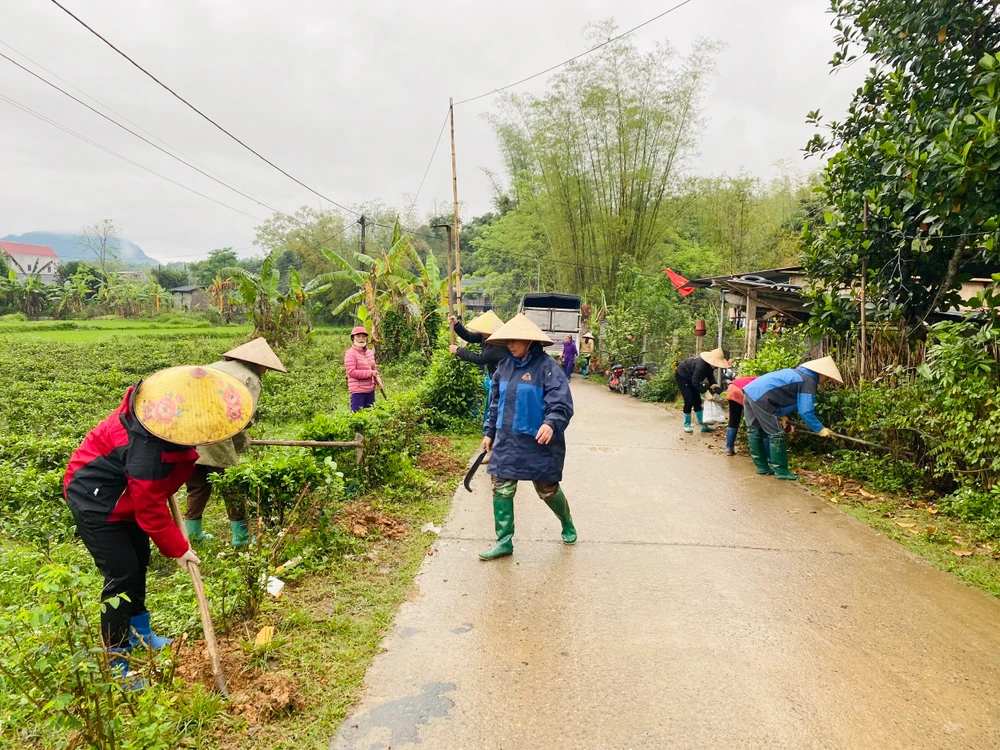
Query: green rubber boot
[755, 439]
[241, 533]
[503, 518]
[704, 427]
[779, 457]
[687, 423]
[194, 532]
[559, 505]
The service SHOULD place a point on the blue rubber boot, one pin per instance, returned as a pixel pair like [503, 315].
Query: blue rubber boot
[120, 671]
[193, 528]
[731, 440]
[141, 634]
[704, 427]
[687, 423]
[241, 533]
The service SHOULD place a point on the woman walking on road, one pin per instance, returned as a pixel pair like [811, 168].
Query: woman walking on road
[362, 374]
[695, 375]
[569, 355]
[530, 409]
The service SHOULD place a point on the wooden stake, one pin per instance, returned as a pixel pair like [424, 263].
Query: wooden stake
[206, 615]
[454, 187]
[864, 312]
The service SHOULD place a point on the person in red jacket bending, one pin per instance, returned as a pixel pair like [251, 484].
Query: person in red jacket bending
[119, 481]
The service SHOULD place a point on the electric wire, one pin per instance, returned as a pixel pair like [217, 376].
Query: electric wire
[575, 57]
[137, 135]
[105, 106]
[117, 155]
[200, 113]
[430, 161]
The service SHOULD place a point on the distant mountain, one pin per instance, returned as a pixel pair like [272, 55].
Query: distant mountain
[67, 248]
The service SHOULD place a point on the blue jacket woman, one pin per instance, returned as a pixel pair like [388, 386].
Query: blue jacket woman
[775, 395]
[530, 409]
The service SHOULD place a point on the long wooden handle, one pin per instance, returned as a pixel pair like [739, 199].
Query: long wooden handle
[206, 615]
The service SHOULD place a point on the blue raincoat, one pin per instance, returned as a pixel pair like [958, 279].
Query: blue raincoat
[524, 396]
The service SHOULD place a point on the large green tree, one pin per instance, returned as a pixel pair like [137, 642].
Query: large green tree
[916, 158]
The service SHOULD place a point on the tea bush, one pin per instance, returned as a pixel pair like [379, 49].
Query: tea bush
[661, 387]
[778, 350]
[452, 391]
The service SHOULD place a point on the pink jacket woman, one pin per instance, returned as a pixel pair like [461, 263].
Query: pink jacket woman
[362, 373]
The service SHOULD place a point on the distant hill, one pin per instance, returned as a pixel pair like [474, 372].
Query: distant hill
[66, 247]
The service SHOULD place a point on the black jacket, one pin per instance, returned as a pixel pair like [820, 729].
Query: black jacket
[697, 373]
[491, 356]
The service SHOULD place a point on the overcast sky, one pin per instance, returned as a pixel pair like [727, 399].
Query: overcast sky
[349, 98]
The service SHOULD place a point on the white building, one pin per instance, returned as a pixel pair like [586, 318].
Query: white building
[29, 260]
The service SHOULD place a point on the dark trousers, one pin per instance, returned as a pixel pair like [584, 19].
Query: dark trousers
[199, 490]
[121, 551]
[735, 415]
[361, 401]
[690, 393]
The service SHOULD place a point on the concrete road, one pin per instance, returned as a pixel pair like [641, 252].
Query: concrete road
[704, 607]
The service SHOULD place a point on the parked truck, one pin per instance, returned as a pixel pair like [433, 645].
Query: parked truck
[555, 313]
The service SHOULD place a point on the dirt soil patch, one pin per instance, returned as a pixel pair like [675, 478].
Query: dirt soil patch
[360, 519]
[257, 696]
[438, 443]
[439, 462]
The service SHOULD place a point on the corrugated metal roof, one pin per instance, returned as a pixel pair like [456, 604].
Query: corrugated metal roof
[19, 248]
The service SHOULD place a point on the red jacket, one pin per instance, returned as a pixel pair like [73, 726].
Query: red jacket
[359, 364]
[123, 473]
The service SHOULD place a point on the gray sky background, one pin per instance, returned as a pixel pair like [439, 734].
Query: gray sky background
[349, 98]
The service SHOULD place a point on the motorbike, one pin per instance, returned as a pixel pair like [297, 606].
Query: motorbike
[616, 372]
[638, 374]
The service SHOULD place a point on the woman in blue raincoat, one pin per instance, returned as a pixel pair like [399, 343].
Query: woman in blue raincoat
[530, 409]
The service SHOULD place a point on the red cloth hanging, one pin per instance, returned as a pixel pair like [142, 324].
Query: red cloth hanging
[680, 282]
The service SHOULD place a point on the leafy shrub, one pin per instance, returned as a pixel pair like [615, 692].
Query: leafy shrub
[452, 391]
[392, 438]
[969, 503]
[398, 336]
[58, 673]
[778, 350]
[881, 473]
[661, 387]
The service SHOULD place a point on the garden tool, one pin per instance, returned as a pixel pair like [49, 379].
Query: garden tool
[206, 615]
[472, 472]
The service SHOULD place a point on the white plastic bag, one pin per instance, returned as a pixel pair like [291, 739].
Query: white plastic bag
[712, 412]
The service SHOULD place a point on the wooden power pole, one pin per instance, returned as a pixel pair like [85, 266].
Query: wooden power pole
[451, 291]
[454, 187]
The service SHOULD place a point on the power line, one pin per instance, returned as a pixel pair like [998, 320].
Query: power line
[102, 104]
[575, 57]
[430, 161]
[199, 112]
[94, 143]
[140, 137]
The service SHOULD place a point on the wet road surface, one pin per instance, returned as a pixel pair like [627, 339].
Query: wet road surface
[703, 607]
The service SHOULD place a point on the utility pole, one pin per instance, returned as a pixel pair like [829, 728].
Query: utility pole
[447, 255]
[363, 222]
[454, 185]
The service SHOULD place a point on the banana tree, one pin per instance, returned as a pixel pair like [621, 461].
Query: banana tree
[29, 293]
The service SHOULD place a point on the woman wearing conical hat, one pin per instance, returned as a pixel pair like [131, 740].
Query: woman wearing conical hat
[478, 331]
[119, 480]
[695, 375]
[530, 409]
[777, 394]
[248, 363]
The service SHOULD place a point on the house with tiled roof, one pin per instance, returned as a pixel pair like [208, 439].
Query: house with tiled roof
[30, 260]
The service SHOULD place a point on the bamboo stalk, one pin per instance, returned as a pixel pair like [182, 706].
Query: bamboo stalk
[309, 443]
[206, 615]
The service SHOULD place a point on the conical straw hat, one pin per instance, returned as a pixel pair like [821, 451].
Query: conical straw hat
[716, 357]
[489, 322]
[825, 366]
[257, 352]
[193, 405]
[518, 328]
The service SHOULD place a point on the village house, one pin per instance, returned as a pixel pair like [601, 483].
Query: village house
[30, 260]
[190, 297]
